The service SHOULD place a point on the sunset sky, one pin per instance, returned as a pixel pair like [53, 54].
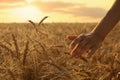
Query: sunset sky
[57, 10]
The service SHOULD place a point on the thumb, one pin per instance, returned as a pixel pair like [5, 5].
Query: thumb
[71, 37]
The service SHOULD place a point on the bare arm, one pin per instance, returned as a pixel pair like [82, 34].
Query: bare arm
[109, 21]
[90, 42]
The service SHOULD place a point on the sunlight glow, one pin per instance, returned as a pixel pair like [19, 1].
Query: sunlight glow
[28, 12]
[57, 10]
[29, 1]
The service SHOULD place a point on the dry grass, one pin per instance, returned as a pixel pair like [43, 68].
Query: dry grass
[43, 55]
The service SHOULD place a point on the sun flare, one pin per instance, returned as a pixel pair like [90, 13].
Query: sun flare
[28, 12]
[29, 1]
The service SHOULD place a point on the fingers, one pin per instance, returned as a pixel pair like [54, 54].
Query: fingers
[72, 37]
[84, 43]
[76, 41]
[74, 52]
[91, 52]
[81, 48]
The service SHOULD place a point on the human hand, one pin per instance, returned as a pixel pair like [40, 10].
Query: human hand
[84, 43]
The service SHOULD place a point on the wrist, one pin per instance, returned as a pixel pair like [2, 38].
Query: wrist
[98, 35]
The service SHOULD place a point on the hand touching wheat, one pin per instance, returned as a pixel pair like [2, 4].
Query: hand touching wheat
[89, 43]
[84, 43]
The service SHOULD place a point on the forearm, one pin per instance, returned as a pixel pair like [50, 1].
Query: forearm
[109, 21]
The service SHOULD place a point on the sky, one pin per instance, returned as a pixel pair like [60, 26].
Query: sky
[57, 10]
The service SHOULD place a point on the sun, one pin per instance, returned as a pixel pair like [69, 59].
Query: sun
[29, 1]
[28, 12]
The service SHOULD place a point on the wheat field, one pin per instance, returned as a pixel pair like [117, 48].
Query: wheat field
[29, 52]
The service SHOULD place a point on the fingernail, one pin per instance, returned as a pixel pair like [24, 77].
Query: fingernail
[88, 56]
[70, 47]
[72, 54]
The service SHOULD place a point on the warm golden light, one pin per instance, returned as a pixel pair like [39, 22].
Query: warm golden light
[58, 10]
[29, 1]
[28, 12]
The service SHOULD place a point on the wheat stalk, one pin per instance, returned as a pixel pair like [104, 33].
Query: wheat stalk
[42, 20]
[11, 74]
[16, 46]
[7, 48]
[34, 25]
[25, 52]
